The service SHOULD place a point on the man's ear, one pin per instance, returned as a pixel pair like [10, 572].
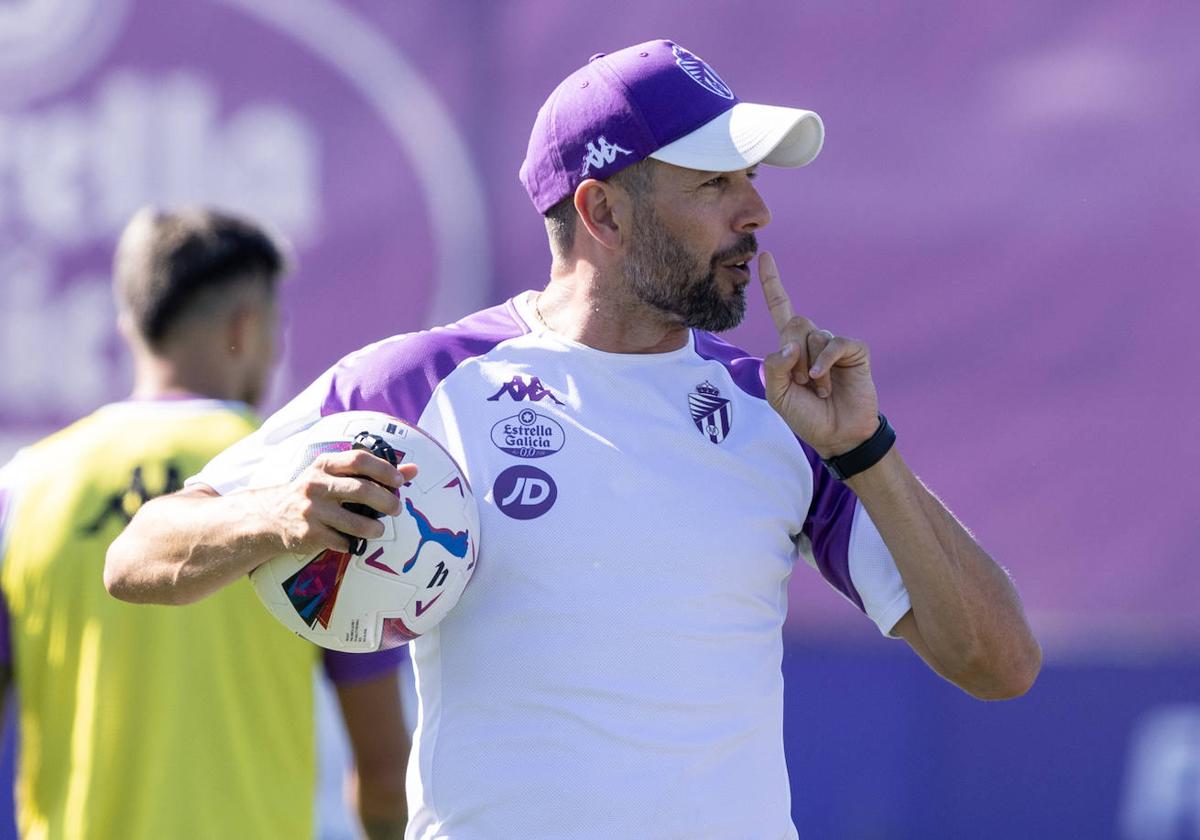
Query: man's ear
[130, 334]
[126, 329]
[605, 211]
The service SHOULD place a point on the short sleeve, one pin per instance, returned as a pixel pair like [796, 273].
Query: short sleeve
[842, 542]
[884, 596]
[349, 668]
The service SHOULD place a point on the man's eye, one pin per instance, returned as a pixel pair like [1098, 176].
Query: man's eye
[715, 182]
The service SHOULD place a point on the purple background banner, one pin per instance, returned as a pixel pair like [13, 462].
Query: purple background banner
[1007, 209]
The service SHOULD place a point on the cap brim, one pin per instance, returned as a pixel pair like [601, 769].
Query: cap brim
[746, 135]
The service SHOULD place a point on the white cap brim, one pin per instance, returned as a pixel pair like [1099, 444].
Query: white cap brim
[746, 135]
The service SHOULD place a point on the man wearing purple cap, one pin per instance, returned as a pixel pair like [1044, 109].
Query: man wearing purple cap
[614, 669]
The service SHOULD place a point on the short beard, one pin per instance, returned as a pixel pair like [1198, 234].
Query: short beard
[662, 274]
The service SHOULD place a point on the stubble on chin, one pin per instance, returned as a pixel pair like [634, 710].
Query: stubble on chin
[662, 274]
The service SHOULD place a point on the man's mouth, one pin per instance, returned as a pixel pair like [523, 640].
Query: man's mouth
[740, 265]
[737, 258]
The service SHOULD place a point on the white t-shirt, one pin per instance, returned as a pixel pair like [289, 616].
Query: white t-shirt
[613, 670]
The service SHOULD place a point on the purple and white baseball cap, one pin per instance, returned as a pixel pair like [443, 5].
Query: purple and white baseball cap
[656, 100]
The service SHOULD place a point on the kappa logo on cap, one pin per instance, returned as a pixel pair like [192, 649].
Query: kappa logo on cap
[602, 156]
[700, 73]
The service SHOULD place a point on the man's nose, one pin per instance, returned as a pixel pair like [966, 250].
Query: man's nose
[754, 213]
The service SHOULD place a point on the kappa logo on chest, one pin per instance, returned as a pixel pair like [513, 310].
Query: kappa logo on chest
[519, 388]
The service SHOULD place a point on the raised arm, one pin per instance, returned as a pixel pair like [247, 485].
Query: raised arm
[966, 620]
[185, 546]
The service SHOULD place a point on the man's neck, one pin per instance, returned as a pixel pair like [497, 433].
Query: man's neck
[599, 312]
[151, 392]
[159, 379]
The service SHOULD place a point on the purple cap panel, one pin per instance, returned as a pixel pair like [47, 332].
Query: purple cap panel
[616, 110]
[585, 130]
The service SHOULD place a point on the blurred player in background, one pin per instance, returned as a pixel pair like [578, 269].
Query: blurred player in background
[147, 722]
[613, 671]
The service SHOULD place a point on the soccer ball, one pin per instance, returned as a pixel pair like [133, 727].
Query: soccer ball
[385, 592]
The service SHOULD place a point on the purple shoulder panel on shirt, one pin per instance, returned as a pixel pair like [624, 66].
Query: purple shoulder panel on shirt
[399, 376]
[349, 668]
[831, 514]
[746, 370]
[828, 524]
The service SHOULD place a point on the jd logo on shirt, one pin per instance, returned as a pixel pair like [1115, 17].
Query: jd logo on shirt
[524, 492]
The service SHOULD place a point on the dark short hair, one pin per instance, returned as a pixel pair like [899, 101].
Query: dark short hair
[168, 261]
[636, 179]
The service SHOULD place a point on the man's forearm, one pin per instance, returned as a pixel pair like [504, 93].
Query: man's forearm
[384, 828]
[374, 716]
[181, 548]
[964, 605]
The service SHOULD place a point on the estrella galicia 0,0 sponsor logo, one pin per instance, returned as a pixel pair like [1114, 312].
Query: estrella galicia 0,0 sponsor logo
[528, 434]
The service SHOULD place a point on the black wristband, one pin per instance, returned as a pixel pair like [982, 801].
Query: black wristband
[864, 456]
